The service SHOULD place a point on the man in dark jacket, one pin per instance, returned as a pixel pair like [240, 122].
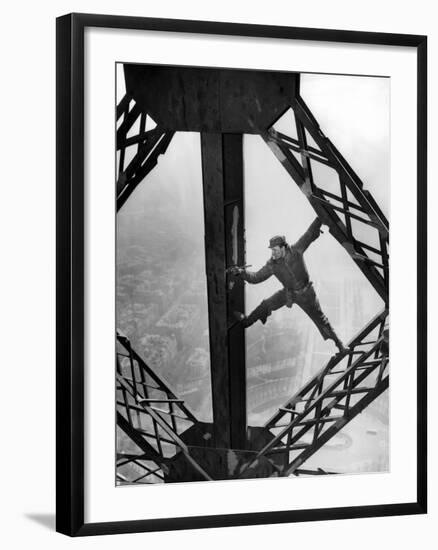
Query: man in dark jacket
[287, 264]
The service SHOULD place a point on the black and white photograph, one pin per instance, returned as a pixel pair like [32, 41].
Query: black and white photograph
[252, 274]
[219, 254]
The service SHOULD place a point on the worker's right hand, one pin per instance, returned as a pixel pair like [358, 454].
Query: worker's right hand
[236, 270]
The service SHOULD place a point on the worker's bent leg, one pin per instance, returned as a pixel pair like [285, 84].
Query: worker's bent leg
[309, 303]
[265, 308]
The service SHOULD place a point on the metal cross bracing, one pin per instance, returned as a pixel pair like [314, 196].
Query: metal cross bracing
[325, 404]
[350, 211]
[152, 417]
[144, 147]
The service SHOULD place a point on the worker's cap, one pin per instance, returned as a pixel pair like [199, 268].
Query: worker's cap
[278, 240]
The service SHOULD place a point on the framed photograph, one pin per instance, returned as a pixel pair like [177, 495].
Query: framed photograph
[237, 341]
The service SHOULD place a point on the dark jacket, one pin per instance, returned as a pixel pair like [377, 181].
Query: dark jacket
[290, 270]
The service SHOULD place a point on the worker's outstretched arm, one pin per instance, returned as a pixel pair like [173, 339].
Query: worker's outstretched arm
[259, 276]
[309, 236]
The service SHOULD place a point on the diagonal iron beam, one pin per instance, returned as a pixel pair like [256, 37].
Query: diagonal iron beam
[345, 171]
[338, 395]
[315, 383]
[316, 413]
[151, 144]
[161, 384]
[135, 387]
[129, 387]
[366, 212]
[123, 106]
[145, 162]
[145, 446]
[353, 411]
[327, 213]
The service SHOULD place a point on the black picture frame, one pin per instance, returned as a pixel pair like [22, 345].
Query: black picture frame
[70, 273]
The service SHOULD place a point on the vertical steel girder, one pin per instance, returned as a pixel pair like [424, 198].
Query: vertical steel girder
[222, 174]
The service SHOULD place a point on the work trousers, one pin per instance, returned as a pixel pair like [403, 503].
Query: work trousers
[306, 299]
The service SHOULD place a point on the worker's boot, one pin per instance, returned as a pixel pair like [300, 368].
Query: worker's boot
[260, 312]
[328, 333]
[339, 345]
[244, 320]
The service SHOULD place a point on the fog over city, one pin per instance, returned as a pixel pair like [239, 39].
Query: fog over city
[161, 282]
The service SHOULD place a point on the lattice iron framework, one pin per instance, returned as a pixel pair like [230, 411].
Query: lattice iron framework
[152, 416]
[150, 413]
[349, 210]
[148, 146]
[325, 404]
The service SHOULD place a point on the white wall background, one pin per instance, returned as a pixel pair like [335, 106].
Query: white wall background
[27, 403]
